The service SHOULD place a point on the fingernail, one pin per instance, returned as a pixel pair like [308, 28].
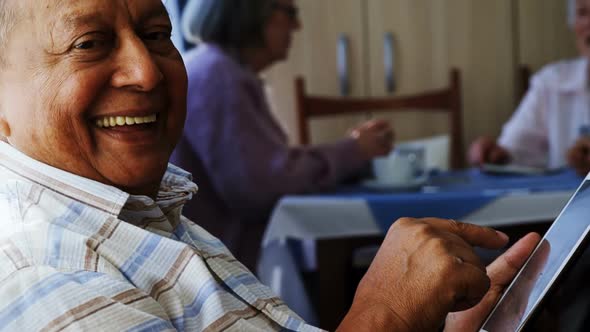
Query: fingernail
[503, 235]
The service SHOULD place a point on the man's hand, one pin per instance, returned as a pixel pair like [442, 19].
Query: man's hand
[375, 138]
[486, 150]
[501, 273]
[424, 269]
[578, 156]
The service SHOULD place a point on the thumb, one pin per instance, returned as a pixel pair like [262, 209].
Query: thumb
[501, 273]
[505, 267]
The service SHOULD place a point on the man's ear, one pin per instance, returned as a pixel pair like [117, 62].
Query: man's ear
[4, 127]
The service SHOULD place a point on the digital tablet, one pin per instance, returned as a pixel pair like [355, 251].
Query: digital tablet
[565, 240]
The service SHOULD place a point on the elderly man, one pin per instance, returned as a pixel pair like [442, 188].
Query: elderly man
[551, 126]
[92, 103]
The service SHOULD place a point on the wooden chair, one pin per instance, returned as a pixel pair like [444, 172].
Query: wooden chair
[443, 100]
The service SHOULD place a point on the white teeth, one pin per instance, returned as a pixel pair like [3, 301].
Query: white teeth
[113, 121]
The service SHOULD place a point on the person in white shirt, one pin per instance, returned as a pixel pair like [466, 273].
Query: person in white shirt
[545, 130]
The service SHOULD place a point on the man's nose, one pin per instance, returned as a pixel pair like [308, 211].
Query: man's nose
[135, 66]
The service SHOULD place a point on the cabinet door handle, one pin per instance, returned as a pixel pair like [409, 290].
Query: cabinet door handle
[389, 62]
[343, 65]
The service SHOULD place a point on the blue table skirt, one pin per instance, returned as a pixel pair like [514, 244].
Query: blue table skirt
[453, 195]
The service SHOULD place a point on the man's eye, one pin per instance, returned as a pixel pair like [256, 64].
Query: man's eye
[87, 45]
[92, 44]
[158, 36]
[159, 41]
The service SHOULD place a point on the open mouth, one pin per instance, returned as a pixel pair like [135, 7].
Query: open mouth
[116, 122]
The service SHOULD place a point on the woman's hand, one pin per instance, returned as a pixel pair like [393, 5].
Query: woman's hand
[424, 269]
[375, 138]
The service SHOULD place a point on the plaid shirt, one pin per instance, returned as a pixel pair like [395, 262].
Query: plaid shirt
[76, 254]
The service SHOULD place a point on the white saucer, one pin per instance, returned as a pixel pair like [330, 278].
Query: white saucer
[413, 185]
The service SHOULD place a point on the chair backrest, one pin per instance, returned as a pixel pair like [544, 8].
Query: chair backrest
[443, 100]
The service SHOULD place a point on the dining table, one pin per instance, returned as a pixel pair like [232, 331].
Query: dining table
[299, 223]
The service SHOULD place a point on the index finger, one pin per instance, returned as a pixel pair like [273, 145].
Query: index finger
[475, 235]
[505, 267]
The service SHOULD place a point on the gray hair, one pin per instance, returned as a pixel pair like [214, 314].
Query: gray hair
[232, 24]
[8, 18]
[571, 12]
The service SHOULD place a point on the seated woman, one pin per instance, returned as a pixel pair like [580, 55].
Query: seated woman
[549, 127]
[232, 144]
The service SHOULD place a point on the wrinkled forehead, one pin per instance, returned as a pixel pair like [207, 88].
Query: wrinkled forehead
[68, 12]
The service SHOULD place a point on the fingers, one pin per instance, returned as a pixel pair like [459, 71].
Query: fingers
[471, 285]
[387, 135]
[461, 276]
[501, 273]
[377, 124]
[505, 267]
[374, 125]
[465, 253]
[503, 270]
[469, 282]
[497, 155]
[478, 152]
[464, 277]
[375, 138]
[583, 142]
[579, 156]
[383, 130]
[484, 237]
[486, 150]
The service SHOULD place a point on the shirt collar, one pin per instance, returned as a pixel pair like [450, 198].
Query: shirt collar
[176, 186]
[572, 78]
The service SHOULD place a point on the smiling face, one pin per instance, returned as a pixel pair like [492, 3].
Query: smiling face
[582, 27]
[96, 88]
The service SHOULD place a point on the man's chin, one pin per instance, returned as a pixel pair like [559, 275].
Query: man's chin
[138, 177]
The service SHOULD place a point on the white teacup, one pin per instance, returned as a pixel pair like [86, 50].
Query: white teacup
[402, 166]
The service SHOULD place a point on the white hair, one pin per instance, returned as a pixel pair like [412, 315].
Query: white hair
[186, 21]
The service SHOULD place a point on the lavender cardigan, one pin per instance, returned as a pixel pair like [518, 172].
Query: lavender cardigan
[239, 156]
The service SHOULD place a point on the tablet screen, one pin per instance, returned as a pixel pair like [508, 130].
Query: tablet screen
[541, 270]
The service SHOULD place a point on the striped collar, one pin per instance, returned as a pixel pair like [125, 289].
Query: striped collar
[176, 184]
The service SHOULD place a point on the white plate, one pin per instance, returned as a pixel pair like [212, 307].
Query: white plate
[413, 185]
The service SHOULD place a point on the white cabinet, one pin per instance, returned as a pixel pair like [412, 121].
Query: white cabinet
[487, 41]
[543, 32]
